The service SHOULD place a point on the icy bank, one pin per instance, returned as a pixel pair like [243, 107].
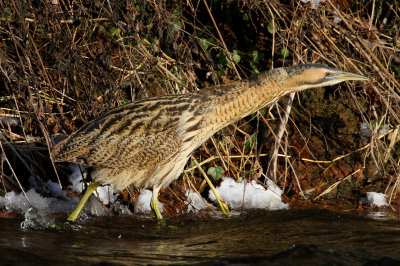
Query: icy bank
[236, 194]
[250, 195]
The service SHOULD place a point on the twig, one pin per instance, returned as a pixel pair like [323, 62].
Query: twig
[331, 187]
[272, 166]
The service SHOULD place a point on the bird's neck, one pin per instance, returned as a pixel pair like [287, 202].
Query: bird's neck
[236, 100]
[216, 107]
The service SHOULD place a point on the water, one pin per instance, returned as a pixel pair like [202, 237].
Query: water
[289, 237]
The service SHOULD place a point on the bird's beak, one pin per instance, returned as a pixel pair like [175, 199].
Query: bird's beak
[343, 76]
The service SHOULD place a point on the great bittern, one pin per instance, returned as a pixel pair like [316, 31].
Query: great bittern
[147, 143]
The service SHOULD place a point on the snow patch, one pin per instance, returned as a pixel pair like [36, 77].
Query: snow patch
[50, 187]
[194, 201]
[142, 204]
[314, 3]
[39, 213]
[337, 20]
[105, 194]
[250, 195]
[366, 131]
[76, 178]
[375, 199]
[385, 129]
[14, 202]
[57, 201]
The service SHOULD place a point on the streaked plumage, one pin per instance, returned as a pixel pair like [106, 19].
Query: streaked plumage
[148, 142]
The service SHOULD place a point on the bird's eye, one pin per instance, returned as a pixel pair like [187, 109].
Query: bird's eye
[328, 74]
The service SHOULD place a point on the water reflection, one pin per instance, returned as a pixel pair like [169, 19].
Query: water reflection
[251, 237]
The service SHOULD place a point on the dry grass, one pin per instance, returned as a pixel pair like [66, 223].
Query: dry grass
[64, 62]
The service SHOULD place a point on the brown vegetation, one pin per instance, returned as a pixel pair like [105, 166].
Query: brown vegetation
[64, 62]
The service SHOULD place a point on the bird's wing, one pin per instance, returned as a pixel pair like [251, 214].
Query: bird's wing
[134, 147]
[130, 130]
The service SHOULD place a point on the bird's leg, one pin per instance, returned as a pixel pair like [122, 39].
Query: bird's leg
[154, 202]
[89, 190]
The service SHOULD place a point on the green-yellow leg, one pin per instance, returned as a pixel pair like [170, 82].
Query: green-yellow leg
[222, 204]
[154, 202]
[89, 190]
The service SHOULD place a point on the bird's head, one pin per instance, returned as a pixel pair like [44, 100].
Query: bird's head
[308, 76]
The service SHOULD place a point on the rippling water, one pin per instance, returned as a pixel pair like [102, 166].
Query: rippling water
[290, 237]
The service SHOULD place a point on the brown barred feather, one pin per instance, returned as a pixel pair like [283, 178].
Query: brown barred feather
[148, 142]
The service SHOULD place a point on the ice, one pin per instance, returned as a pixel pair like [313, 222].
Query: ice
[380, 216]
[337, 20]
[194, 201]
[35, 220]
[50, 187]
[365, 130]
[250, 195]
[76, 178]
[55, 201]
[39, 213]
[142, 204]
[385, 129]
[105, 194]
[14, 202]
[55, 189]
[94, 207]
[375, 199]
[314, 3]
